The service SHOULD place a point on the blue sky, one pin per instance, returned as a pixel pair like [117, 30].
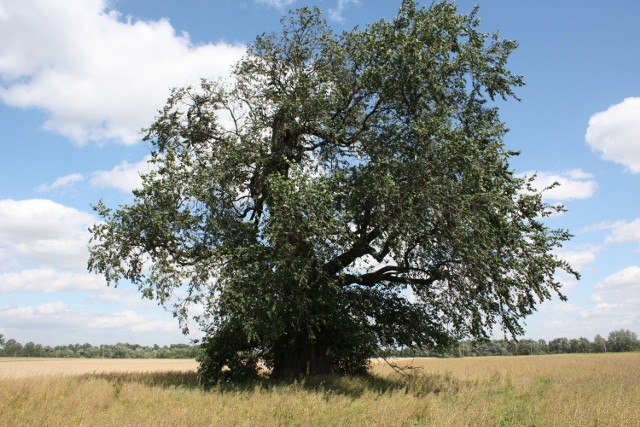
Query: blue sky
[80, 78]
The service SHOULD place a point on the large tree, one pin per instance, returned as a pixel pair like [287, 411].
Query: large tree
[337, 193]
[622, 340]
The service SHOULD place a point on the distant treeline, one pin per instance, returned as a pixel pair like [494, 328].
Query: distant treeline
[617, 341]
[12, 348]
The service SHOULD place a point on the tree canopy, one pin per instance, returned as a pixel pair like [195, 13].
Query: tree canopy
[338, 192]
[623, 340]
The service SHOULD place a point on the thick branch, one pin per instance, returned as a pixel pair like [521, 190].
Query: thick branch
[361, 248]
[390, 273]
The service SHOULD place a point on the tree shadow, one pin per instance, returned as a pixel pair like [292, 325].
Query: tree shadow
[416, 384]
[165, 379]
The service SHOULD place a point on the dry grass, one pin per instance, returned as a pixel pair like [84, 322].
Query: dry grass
[585, 390]
[566, 390]
[33, 367]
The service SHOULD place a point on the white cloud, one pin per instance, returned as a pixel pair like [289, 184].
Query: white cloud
[581, 257]
[97, 75]
[578, 259]
[62, 182]
[626, 281]
[612, 305]
[124, 177]
[623, 231]
[574, 184]
[567, 281]
[44, 232]
[49, 280]
[335, 13]
[57, 322]
[126, 296]
[563, 307]
[615, 134]
[132, 321]
[29, 312]
[578, 174]
[601, 226]
[34, 219]
[279, 4]
[617, 297]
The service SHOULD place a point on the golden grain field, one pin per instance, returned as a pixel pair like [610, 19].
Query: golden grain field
[563, 390]
[23, 367]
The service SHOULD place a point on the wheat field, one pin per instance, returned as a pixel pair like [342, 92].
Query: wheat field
[24, 367]
[562, 390]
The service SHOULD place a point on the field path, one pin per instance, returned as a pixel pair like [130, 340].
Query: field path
[21, 367]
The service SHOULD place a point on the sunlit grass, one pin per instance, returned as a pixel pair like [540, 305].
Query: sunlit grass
[23, 367]
[571, 390]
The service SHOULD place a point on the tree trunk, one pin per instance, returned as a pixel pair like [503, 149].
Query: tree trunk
[300, 358]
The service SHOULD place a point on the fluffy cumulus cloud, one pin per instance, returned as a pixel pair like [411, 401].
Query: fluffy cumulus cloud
[579, 259]
[615, 134]
[126, 296]
[279, 4]
[43, 254]
[26, 313]
[45, 233]
[335, 13]
[612, 306]
[47, 323]
[623, 231]
[62, 182]
[49, 280]
[617, 298]
[98, 75]
[573, 184]
[131, 320]
[124, 177]
[622, 285]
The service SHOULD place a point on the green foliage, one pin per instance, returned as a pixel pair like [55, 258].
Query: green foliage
[13, 348]
[619, 341]
[623, 340]
[227, 354]
[599, 344]
[341, 191]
